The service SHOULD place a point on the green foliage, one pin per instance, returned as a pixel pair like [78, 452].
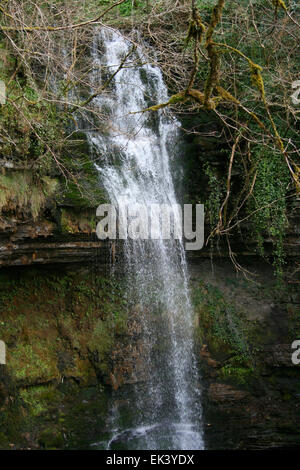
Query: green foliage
[51, 439]
[222, 323]
[265, 90]
[32, 135]
[38, 398]
[33, 362]
[29, 126]
[269, 202]
[126, 8]
[229, 336]
[214, 199]
[205, 6]
[238, 374]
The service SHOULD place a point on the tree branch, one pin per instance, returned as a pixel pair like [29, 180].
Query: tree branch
[56, 28]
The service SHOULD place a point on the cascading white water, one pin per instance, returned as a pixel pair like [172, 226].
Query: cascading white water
[134, 166]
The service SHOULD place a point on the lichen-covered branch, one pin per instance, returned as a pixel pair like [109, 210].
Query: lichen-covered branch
[214, 59]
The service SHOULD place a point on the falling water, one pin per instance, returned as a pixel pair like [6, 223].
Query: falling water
[135, 154]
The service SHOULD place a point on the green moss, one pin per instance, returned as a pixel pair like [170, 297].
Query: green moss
[32, 398]
[60, 332]
[4, 441]
[82, 194]
[103, 340]
[22, 192]
[101, 344]
[270, 220]
[49, 338]
[238, 375]
[51, 439]
[286, 396]
[222, 326]
[34, 362]
[34, 126]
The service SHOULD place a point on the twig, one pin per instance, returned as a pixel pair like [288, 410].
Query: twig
[57, 28]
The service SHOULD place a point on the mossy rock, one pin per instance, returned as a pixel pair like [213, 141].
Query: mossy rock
[78, 144]
[4, 441]
[82, 194]
[51, 439]
[73, 221]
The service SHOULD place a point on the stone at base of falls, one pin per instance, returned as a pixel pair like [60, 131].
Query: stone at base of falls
[117, 460]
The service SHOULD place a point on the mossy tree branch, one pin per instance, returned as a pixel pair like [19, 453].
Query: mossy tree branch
[214, 58]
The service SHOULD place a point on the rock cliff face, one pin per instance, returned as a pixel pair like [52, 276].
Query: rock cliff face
[61, 231]
[44, 242]
[251, 386]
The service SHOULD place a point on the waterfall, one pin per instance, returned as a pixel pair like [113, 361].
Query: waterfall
[133, 159]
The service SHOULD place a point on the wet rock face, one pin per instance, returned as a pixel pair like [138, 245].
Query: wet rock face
[129, 357]
[250, 422]
[251, 388]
